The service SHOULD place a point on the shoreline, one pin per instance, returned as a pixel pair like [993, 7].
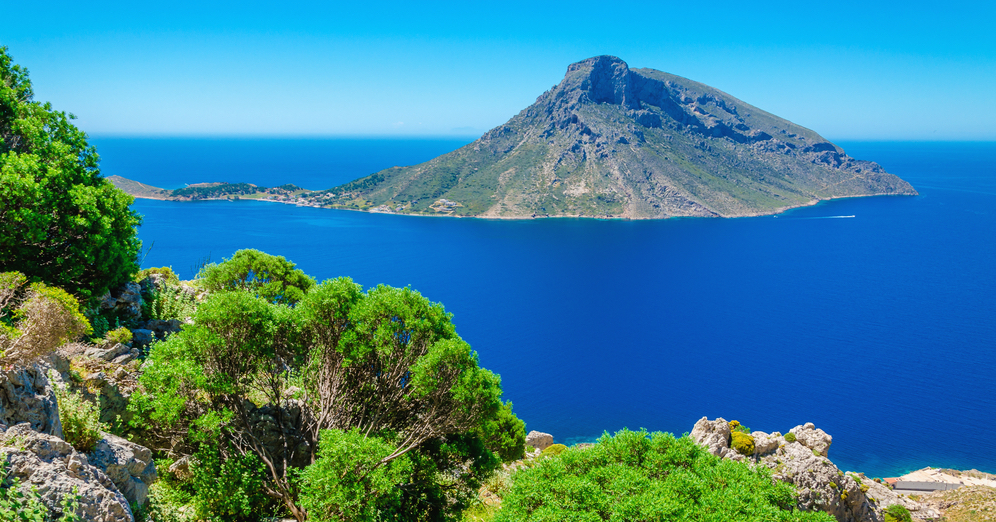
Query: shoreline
[774, 212]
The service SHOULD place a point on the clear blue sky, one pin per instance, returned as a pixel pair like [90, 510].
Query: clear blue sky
[848, 70]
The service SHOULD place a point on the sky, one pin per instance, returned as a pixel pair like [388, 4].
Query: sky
[848, 70]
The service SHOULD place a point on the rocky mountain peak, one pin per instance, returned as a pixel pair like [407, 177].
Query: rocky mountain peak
[602, 79]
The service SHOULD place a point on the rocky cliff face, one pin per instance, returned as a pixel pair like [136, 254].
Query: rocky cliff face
[801, 459]
[116, 473]
[637, 143]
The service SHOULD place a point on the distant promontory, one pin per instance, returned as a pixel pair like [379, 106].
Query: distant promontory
[610, 141]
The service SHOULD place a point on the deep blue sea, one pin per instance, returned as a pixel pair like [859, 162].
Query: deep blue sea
[874, 318]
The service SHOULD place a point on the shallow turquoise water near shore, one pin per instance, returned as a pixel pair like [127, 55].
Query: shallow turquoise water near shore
[880, 328]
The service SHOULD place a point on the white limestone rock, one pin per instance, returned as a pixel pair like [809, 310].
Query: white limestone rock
[539, 440]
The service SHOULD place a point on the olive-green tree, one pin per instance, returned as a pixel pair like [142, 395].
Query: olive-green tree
[60, 221]
[384, 364]
[271, 277]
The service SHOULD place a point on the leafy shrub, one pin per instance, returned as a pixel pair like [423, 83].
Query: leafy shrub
[229, 488]
[168, 303]
[554, 450]
[736, 426]
[505, 434]
[897, 513]
[272, 278]
[121, 335]
[742, 442]
[347, 482]
[170, 499]
[636, 476]
[790, 437]
[81, 424]
[167, 272]
[35, 320]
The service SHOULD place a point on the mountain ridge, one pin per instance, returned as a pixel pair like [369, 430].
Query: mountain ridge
[610, 141]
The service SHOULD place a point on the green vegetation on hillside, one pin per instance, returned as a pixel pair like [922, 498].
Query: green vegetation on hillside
[60, 221]
[218, 190]
[386, 362]
[636, 476]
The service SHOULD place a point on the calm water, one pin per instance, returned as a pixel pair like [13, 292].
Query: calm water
[880, 328]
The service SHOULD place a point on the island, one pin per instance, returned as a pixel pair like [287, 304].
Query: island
[607, 141]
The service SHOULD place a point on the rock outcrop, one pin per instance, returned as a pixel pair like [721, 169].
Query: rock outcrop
[117, 472]
[56, 469]
[27, 396]
[128, 465]
[802, 460]
[539, 440]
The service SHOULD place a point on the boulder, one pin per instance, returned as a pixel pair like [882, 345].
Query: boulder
[765, 443]
[813, 438]
[713, 435]
[107, 353]
[53, 467]
[27, 396]
[539, 440]
[142, 337]
[128, 465]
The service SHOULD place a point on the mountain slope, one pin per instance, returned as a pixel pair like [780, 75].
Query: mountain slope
[635, 143]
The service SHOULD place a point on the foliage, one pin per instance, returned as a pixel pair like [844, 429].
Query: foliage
[554, 450]
[118, 336]
[387, 362]
[170, 499]
[81, 424]
[897, 513]
[169, 302]
[446, 476]
[217, 191]
[271, 277]
[60, 221]
[166, 272]
[349, 482]
[505, 434]
[736, 426]
[228, 488]
[26, 506]
[636, 476]
[742, 442]
[36, 319]
[790, 437]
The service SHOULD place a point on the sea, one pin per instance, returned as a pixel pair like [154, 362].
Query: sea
[874, 318]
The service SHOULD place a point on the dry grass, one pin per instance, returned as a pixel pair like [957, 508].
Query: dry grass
[965, 504]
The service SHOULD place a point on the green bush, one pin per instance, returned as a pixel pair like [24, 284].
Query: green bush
[35, 319]
[165, 271]
[897, 513]
[736, 426]
[168, 303]
[347, 482]
[228, 488]
[742, 442]
[270, 277]
[641, 476]
[121, 335]
[81, 424]
[554, 450]
[790, 437]
[505, 434]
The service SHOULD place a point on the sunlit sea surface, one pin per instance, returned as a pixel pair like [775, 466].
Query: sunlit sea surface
[874, 318]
